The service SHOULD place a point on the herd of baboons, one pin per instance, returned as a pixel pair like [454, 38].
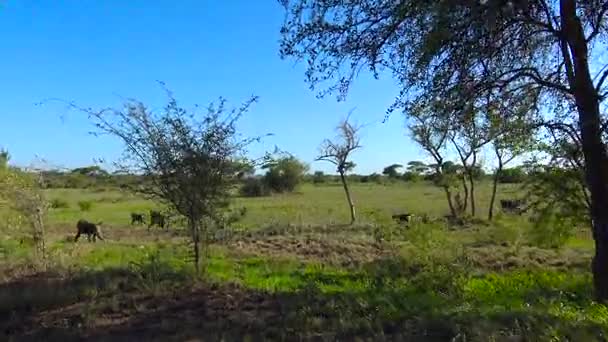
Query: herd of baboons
[93, 231]
[512, 206]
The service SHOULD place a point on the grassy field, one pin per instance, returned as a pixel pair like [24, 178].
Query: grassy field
[295, 271]
[310, 205]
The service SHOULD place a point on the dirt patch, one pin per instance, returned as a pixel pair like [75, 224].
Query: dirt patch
[315, 248]
[501, 258]
[211, 312]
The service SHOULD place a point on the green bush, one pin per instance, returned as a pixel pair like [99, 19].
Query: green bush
[85, 205]
[285, 174]
[510, 232]
[58, 203]
[512, 175]
[253, 187]
[318, 177]
[550, 229]
[373, 178]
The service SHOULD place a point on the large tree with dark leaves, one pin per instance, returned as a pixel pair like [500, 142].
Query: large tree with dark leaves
[551, 46]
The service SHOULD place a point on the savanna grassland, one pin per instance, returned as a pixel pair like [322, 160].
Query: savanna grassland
[291, 269]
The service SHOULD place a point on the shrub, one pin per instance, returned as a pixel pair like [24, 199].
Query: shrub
[85, 205]
[57, 203]
[285, 174]
[373, 178]
[512, 175]
[510, 232]
[318, 177]
[253, 187]
[409, 176]
[550, 229]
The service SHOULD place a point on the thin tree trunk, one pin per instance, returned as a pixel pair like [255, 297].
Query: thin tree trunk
[465, 188]
[196, 247]
[351, 206]
[471, 175]
[596, 159]
[448, 195]
[472, 193]
[494, 189]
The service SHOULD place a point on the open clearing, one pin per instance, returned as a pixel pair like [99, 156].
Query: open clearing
[292, 270]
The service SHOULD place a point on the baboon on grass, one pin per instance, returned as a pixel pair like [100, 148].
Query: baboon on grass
[88, 228]
[137, 218]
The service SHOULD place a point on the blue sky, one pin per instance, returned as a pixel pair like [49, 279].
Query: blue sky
[96, 53]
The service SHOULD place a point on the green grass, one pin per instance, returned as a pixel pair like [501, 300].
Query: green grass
[427, 282]
[313, 205]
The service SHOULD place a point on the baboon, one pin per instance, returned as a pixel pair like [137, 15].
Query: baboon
[157, 219]
[402, 218]
[512, 205]
[137, 218]
[88, 228]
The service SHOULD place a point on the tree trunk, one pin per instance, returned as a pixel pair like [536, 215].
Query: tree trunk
[596, 159]
[494, 189]
[471, 175]
[351, 206]
[465, 188]
[448, 195]
[195, 240]
[472, 193]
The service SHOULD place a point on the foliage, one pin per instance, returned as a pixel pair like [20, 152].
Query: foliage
[254, 187]
[373, 178]
[464, 56]
[190, 161]
[93, 171]
[85, 205]
[512, 175]
[550, 229]
[559, 191]
[338, 152]
[391, 171]
[284, 174]
[318, 177]
[410, 176]
[59, 203]
[22, 194]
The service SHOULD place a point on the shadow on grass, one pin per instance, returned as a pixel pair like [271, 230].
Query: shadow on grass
[384, 301]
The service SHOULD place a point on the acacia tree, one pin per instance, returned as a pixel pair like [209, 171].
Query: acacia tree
[512, 129]
[552, 46]
[338, 153]
[21, 192]
[190, 161]
[391, 171]
[468, 138]
[431, 133]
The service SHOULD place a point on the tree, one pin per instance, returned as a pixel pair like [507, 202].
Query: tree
[187, 159]
[493, 45]
[417, 167]
[318, 177]
[284, 174]
[4, 158]
[512, 175]
[22, 194]
[431, 133]
[511, 126]
[391, 171]
[92, 171]
[338, 153]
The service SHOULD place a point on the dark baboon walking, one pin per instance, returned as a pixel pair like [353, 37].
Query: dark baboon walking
[513, 206]
[137, 218]
[88, 228]
[402, 218]
[157, 219]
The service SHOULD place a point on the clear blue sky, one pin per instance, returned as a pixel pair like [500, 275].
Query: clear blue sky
[97, 52]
